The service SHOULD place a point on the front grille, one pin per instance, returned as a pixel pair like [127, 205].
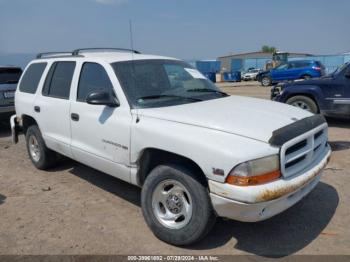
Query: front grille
[298, 153]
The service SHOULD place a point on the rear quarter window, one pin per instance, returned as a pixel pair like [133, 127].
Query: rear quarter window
[302, 64]
[31, 78]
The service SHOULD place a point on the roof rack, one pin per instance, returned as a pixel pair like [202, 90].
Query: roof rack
[77, 51]
[53, 54]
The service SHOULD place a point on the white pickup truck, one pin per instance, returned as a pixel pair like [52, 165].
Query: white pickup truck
[158, 123]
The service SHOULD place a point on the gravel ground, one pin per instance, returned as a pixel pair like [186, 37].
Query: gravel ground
[74, 209]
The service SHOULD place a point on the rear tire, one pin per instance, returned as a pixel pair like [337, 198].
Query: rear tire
[176, 205]
[303, 102]
[41, 157]
[266, 81]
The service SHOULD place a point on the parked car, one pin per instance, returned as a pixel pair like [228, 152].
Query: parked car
[329, 95]
[158, 123]
[9, 76]
[250, 74]
[300, 69]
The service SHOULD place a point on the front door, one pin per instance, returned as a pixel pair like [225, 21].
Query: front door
[100, 134]
[280, 73]
[342, 104]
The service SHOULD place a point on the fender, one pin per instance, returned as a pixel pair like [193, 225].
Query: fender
[207, 148]
[312, 91]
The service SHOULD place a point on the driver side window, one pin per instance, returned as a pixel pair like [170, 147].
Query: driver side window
[282, 67]
[93, 77]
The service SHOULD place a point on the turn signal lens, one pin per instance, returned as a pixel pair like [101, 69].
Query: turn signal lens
[253, 180]
[255, 172]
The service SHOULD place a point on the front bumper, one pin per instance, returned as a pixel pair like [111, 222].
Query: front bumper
[256, 203]
[15, 123]
[275, 93]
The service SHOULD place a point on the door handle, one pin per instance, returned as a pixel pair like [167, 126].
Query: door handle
[74, 116]
[37, 109]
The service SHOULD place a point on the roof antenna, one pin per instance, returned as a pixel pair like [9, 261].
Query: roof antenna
[131, 39]
[132, 59]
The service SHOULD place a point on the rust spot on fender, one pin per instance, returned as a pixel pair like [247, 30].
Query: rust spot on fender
[271, 194]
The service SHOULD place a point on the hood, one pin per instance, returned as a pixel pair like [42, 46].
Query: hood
[249, 117]
[313, 81]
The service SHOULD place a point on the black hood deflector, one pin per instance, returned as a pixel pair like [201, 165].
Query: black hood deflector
[286, 133]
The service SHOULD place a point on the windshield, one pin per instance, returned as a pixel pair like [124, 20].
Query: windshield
[10, 75]
[340, 68]
[157, 83]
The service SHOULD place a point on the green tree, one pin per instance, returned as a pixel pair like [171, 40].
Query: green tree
[268, 49]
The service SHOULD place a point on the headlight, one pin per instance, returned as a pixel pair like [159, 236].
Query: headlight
[258, 171]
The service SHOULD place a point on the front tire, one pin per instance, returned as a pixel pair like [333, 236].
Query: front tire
[176, 205]
[266, 81]
[303, 102]
[41, 157]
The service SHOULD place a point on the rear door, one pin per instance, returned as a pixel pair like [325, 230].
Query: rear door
[52, 107]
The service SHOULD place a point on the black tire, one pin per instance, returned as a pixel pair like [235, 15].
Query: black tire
[302, 101]
[266, 81]
[47, 157]
[306, 77]
[203, 216]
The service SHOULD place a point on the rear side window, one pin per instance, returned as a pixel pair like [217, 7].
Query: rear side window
[31, 78]
[59, 79]
[93, 77]
[303, 64]
[307, 64]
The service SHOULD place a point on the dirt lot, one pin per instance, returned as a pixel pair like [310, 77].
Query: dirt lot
[74, 209]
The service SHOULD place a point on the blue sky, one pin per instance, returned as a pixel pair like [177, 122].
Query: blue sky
[182, 28]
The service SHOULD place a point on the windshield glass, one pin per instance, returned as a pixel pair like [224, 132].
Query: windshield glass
[157, 83]
[340, 68]
[10, 75]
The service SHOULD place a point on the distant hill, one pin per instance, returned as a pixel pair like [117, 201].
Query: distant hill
[18, 59]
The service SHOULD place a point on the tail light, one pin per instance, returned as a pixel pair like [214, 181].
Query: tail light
[317, 68]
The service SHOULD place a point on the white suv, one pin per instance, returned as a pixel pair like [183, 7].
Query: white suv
[158, 123]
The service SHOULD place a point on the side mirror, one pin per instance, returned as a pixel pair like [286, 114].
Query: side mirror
[102, 98]
[347, 72]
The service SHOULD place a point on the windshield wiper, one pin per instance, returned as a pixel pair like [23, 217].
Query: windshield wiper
[207, 90]
[170, 96]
